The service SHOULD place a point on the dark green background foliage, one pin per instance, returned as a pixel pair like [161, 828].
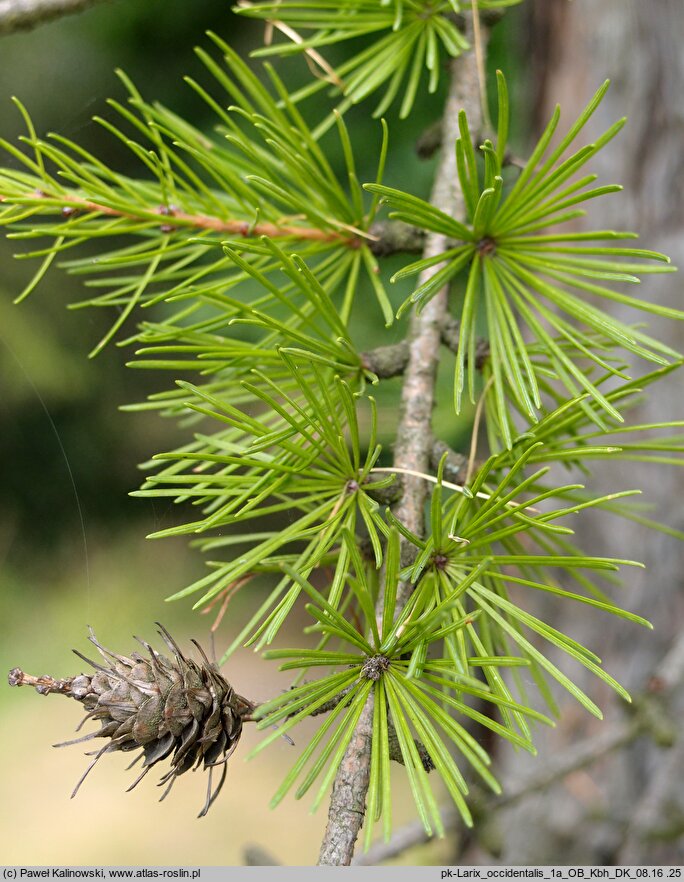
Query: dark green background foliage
[44, 344]
[65, 73]
[76, 58]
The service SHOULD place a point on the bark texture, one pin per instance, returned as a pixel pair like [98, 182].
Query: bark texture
[412, 451]
[629, 807]
[21, 15]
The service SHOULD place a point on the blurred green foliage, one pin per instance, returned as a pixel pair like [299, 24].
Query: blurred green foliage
[56, 406]
[63, 71]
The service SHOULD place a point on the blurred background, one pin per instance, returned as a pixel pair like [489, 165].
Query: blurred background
[72, 546]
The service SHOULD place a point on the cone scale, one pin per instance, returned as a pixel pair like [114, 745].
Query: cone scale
[177, 709]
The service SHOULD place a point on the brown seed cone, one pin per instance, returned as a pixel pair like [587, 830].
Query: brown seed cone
[180, 709]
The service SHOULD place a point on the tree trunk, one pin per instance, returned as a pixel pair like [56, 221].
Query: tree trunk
[628, 808]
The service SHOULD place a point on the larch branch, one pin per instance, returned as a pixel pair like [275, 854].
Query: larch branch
[645, 721]
[387, 237]
[412, 452]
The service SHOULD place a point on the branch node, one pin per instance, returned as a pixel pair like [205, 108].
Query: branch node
[450, 335]
[374, 667]
[392, 237]
[456, 463]
[386, 361]
[451, 332]
[429, 141]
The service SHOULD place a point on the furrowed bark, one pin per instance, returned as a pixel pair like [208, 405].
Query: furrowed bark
[572, 48]
[412, 451]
